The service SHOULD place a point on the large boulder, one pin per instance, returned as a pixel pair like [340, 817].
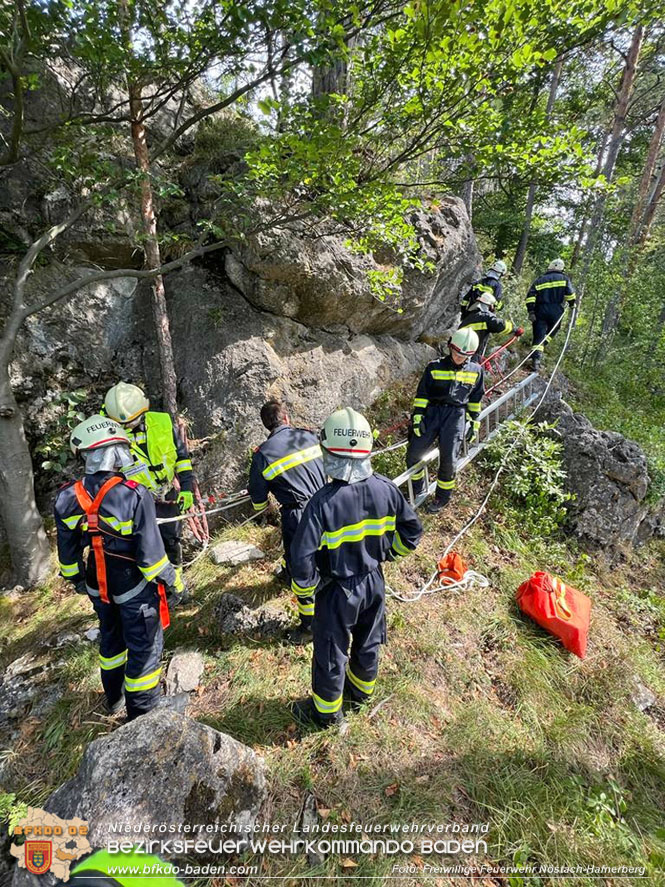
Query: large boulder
[314, 278]
[606, 472]
[162, 768]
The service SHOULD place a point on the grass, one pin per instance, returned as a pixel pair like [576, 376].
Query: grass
[479, 717]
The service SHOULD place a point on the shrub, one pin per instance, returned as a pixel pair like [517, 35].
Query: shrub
[532, 483]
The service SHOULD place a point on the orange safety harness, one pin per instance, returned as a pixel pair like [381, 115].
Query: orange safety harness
[91, 508]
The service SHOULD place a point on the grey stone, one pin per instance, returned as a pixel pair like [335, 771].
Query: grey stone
[64, 639]
[308, 823]
[178, 703]
[184, 672]
[235, 617]
[162, 767]
[92, 635]
[234, 552]
[606, 472]
[642, 696]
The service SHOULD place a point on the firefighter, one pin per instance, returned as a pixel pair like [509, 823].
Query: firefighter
[160, 455]
[483, 320]
[349, 528]
[545, 302]
[115, 518]
[288, 465]
[449, 394]
[490, 282]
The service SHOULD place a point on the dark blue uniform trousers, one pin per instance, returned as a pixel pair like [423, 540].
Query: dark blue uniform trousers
[444, 423]
[546, 317]
[130, 650]
[290, 519]
[350, 613]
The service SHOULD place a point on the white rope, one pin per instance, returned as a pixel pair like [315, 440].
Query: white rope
[241, 499]
[477, 577]
[470, 578]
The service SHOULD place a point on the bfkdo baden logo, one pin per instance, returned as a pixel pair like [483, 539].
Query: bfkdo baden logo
[50, 844]
[38, 856]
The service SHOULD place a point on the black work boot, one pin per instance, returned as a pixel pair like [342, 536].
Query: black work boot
[535, 361]
[299, 636]
[305, 713]
[112, 708]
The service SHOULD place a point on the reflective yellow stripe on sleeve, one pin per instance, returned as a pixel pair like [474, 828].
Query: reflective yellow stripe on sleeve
[154, 569]
[183, 465]
[530, 300]
[399, 547]
[481, 325]
[420, 402]
[291, 461]
[306, 609]
[259, 506]
[473, 407]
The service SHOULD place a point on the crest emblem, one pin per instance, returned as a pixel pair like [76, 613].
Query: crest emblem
[38, 856]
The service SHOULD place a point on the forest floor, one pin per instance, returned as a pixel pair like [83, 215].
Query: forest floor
[479, 716]
[483, 718]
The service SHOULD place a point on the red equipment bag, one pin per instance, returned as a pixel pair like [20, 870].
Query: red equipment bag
[558, 608]
[451, 568]
[164, 616]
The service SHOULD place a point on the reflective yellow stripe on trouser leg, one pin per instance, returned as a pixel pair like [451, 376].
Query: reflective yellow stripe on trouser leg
[366, 687]
[327, 708]
[145, 682]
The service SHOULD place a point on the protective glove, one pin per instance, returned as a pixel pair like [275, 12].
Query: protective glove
[185, 500]
[532, 317]
[173, 596]
[472, 429]
[80, 587]
[519, 331]
[415, 425]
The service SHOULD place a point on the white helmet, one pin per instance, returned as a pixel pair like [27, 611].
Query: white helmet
[464, 341]
[487, 298]
[557, 265]
[125, 402]
[348, 434]
[95, 432]
[499, 266]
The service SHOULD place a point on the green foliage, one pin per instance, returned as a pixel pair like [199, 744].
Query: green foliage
[533, 479]
[55, 443]
[11, 810]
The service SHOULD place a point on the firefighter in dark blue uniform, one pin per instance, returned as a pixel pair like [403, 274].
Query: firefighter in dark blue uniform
[449, 392]
[482, 319]
[350, 527]
[289, 466]
[490, 282]
[545, 302]
[115, 518]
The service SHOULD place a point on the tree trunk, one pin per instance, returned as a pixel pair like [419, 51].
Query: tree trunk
[520, 253]
[615, 141]
[647, 174]
[651, 207]
[21, 520]
[149, 219]
[581, 237]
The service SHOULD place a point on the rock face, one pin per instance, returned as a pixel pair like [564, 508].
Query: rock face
[608, 475]
[160, 768]
[320, 282]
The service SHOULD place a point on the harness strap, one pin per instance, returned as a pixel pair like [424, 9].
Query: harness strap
[91, 508]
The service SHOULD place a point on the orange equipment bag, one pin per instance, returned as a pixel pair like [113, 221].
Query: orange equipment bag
[558, 608]
[451, 568]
